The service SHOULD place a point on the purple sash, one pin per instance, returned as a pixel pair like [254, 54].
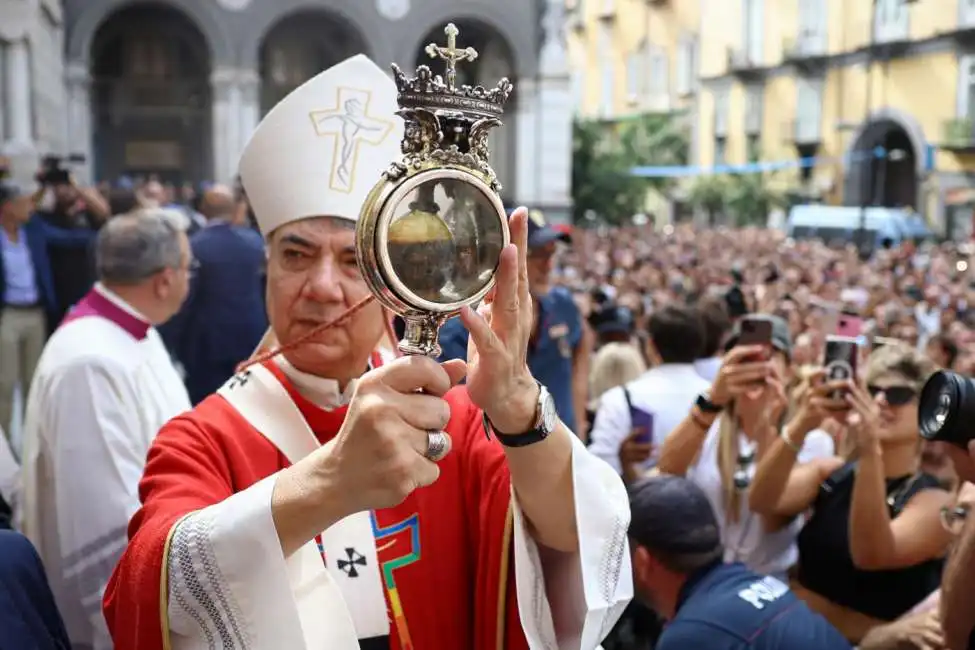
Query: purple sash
[95, 304]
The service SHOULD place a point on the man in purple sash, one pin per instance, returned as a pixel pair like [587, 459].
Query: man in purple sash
[104, 386]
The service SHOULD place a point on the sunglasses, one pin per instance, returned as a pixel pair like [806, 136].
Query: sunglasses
[894, 395]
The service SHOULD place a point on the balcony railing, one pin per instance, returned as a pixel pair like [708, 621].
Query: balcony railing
[958, 134]
[802, 49]
[801, 132]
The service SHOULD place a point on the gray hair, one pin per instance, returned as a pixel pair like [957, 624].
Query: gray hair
[133, 247]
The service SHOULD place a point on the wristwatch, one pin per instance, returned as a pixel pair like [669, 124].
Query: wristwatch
[706, 405]
[546, 419]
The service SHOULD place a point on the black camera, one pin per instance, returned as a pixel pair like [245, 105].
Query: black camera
[946, 410]
[53, 170]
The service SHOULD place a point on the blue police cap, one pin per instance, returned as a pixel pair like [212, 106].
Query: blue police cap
[671, 514]
[541, 233]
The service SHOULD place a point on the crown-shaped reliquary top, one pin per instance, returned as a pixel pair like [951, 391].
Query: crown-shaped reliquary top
[446, 123]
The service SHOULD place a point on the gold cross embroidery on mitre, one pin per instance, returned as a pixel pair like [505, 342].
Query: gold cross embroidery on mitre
[350, 125]
[450, 54]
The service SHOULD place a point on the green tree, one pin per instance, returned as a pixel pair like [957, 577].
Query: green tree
[751, 197]
[710, 195]
[604, 155]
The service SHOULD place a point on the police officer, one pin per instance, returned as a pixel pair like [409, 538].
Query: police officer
[678, 569]
[561, 344]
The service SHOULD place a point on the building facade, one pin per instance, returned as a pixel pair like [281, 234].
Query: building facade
[633, 56]
[878, 93]
[32, 99]
[175, 87]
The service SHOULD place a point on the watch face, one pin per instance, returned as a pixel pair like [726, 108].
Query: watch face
[550, 416]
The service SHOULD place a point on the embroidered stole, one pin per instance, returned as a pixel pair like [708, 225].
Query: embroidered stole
[346, 601]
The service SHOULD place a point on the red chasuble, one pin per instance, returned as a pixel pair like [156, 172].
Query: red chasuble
[445, 551]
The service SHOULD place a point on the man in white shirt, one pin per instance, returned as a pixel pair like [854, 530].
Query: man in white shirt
[658, 400]
[717, 326]
[103, 388]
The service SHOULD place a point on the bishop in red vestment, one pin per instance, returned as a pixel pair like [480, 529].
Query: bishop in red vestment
[304, 505]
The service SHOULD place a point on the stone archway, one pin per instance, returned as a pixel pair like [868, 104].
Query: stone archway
[299, 46]
[886, 160]
[495, 60]
[150, 95]
[884, 166]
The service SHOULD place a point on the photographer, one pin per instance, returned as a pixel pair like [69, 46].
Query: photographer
[73, 208]
[957, 603]
[873, 547]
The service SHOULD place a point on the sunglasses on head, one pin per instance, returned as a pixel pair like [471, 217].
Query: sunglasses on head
[895, 395]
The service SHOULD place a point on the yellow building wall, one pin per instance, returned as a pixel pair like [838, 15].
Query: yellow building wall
[663, 25]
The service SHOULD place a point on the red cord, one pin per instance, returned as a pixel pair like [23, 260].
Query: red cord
[273, 352]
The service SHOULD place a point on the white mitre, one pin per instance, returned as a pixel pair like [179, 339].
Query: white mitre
[321, 150]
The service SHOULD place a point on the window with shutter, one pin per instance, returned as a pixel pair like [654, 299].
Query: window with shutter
[754, 100]
[966, 86]
[809, 102]
[721, 112]
[606, 59]
[754, 31]
[966, 17]
[681, 86]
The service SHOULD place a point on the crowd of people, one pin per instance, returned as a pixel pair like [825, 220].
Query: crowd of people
[772, 505]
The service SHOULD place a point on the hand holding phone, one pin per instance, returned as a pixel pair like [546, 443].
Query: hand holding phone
[840, 361]
[756, 331]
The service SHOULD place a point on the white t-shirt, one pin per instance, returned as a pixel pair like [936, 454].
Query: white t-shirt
[746, 540]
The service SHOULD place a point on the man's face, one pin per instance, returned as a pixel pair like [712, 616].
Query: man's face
[313, 278]
[173, 285]
[18, 209]
[540, 268]
[65, 196]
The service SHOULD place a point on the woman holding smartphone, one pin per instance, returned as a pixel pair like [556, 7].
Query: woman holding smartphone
[727, 431]
[873, 546]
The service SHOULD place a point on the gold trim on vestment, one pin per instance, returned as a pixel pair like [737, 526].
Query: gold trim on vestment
[503, 582]
[164, 586]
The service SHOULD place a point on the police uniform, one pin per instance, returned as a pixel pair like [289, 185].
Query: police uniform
[729, 607]
[558, 334]
[550, 352]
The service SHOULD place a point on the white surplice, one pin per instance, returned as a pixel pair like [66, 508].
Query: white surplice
[567, 602]
[98, 398]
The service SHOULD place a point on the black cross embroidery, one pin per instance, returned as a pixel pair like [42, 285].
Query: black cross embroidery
[349, 566]
[240, 379]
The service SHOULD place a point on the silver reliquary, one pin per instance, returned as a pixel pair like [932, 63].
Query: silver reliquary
[430, 234]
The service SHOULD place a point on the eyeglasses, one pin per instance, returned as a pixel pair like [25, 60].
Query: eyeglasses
[953, 518]
[894, 395]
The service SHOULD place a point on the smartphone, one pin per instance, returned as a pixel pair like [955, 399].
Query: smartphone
[643, 422]
[840, 360]
[756, 331]
[849, 325]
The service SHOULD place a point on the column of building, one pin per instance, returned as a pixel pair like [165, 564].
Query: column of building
[236, 111]
[18, 138]
[544, 124]
[79, 110]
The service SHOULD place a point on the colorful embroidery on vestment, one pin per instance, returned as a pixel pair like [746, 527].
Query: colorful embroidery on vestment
[397, 545]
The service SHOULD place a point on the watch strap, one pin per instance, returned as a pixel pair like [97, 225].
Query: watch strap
[704, 403]
[516, 440]
[530, 437]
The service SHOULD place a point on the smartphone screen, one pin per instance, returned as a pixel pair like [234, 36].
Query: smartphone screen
[643, 422]
[849, 326]
[840, 359]
[756, 331]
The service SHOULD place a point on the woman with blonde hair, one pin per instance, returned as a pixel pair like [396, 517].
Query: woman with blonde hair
[727, 431]
[873, 546]
[614, 364]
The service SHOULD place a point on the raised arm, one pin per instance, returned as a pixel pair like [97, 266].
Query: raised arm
[738, 374]
[783, 487]
[876, 541]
